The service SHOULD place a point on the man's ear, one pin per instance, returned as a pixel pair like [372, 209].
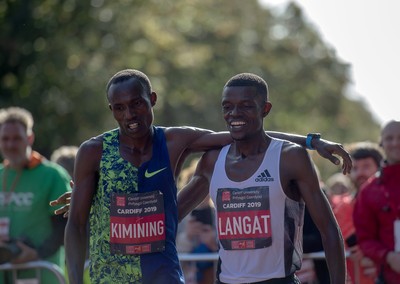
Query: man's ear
[31, 139]
[267, 108]
[153, 98]
[109, 106]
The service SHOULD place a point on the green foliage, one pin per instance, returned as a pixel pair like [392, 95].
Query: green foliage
[57, 56]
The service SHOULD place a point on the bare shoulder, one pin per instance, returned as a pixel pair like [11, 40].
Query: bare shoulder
[294, 158]
[91, 149]
[92, 144]
[292, 150]
[297, 172]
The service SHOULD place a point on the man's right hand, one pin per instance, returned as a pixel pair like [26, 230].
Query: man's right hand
[368, 267]
[65, 200]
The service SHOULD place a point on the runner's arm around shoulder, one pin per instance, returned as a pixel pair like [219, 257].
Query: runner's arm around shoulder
[85, 182]
[325, 148]
[298, 174]
[194, 139]
[197, 189]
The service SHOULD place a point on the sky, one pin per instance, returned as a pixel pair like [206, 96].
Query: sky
[366, 35]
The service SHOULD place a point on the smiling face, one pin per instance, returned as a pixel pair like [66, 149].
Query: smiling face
[362, 170]
[132, 107]
[244, 110]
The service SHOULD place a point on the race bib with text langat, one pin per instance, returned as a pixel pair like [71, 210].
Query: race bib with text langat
[244, 218]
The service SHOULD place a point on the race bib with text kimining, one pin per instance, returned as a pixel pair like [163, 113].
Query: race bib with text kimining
[137, 223]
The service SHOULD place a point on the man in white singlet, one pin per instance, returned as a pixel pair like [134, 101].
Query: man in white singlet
[259, 186]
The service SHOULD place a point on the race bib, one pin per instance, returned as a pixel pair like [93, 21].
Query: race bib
[137, 223]
[244, 218]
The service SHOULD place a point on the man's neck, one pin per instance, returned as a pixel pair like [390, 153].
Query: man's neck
[136, 151]
[139, 145]
[251, 147]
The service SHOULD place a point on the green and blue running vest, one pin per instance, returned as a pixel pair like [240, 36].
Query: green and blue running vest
[119, 176]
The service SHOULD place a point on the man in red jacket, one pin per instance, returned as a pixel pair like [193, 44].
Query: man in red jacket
[367, 159]
[377, 209]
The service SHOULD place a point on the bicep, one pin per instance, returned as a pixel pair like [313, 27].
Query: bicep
[304, 174]
[319, 209]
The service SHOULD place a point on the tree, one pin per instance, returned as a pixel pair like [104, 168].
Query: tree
[56, 58]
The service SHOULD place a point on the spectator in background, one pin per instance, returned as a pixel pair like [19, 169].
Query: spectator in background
[367, 158]
[197, 234]
[29, 230]
[377, 210]
[339, 189]
[65, 157]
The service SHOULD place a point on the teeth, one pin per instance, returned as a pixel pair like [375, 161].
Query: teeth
[133, 125]
[237, 123]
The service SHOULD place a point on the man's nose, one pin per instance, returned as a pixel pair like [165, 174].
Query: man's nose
[9, 143]
[235, 110]
[130, 113]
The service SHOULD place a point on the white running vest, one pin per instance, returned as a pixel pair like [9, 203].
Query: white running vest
[259, 228]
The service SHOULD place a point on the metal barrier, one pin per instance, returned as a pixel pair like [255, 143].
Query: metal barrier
[184, 257]
[214, 256]
[36, 265]
[198, 256]
[56, 270]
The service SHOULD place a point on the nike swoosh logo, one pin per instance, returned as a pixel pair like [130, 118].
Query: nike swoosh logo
[149, 175]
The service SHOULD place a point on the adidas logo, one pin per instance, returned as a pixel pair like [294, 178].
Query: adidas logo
[264, 176]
